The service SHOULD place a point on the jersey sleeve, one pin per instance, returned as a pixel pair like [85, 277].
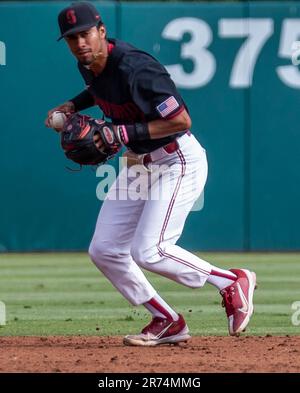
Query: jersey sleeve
[154, 92]
[83, 100]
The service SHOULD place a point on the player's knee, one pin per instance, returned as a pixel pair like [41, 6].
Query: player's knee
[93, 251]
[145, 256]
[98, 252]
[104, 252]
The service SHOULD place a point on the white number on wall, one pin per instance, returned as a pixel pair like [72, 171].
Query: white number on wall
[257, 31]
[290, 32]
[196, 50]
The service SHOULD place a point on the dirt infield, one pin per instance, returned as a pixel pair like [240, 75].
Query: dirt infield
[107, 354]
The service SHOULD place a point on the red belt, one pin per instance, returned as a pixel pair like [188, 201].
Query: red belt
[169, 148]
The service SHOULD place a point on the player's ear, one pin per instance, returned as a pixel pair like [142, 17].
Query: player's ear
[102, 31]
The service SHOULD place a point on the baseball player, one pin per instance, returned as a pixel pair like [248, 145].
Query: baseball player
[150, 118]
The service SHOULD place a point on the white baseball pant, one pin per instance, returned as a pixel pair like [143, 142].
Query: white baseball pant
[142, 232]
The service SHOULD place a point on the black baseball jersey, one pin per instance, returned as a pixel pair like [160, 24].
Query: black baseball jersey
[134, 88]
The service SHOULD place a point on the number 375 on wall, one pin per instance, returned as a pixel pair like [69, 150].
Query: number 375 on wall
[257, 31]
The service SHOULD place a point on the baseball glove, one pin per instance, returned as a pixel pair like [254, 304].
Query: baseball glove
[78, 140]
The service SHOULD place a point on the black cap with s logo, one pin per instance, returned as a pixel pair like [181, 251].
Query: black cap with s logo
[77, 17]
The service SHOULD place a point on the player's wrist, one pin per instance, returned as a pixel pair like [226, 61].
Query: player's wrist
[69, 106]
[127, 133]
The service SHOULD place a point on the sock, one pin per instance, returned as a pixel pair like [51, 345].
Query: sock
[159, 308]
[221, 278]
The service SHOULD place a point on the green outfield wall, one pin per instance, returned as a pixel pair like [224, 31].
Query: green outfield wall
[232, 65]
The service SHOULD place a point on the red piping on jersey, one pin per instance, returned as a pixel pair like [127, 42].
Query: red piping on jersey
[110, 47]
[127, 112]
[172, 115]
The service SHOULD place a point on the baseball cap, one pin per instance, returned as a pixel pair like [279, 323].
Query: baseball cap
[77, 17]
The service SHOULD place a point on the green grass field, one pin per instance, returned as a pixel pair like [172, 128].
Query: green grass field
[64, 294]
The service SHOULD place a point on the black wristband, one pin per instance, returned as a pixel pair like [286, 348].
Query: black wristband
[83, 101]
[136, 132]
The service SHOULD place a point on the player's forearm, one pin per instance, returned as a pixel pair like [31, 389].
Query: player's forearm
[83, 101]
[162, 128]
[154, 129]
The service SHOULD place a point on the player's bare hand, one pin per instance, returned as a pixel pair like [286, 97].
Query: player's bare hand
[67, 108]
[98, 141]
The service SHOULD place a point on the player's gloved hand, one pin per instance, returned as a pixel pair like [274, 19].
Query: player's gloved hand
[88, 141]
[98, 141]
[68, 108]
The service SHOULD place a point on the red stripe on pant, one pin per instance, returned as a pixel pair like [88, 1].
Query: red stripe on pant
[166, 220]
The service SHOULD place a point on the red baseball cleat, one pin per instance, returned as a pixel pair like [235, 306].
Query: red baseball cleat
[160, 331]
[238, 300]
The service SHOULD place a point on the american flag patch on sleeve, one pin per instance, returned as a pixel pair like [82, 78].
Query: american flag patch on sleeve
[167, 107]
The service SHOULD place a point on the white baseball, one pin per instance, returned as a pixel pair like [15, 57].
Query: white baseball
[57, 120]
